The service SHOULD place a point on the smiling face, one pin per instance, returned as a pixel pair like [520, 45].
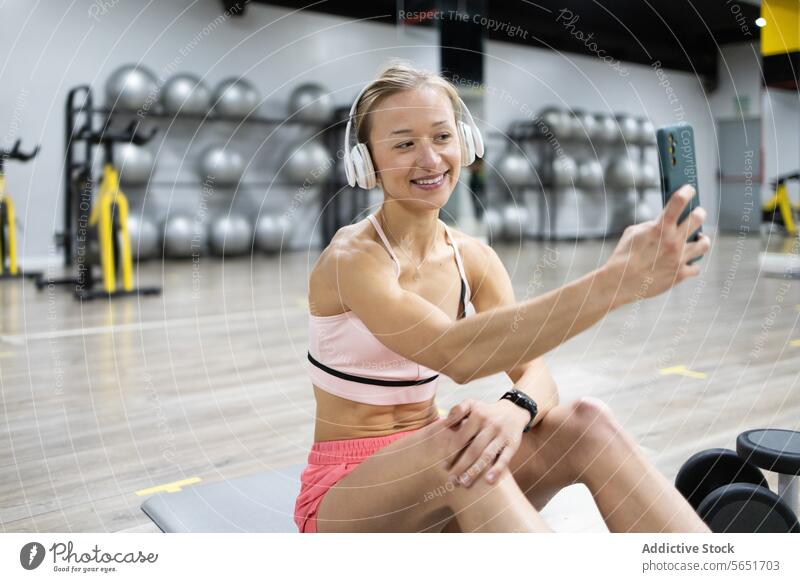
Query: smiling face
[414, 147]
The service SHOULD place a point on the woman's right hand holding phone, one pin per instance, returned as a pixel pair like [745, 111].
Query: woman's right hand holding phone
[652, 256]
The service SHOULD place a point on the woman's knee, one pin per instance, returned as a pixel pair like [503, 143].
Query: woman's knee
[594, 415]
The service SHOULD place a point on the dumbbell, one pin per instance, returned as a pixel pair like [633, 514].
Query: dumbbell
[731, 495]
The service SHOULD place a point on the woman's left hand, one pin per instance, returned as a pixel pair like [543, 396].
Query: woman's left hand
[486, 436]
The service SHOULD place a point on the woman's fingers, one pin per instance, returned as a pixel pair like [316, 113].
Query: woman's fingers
[502, 462]
[696, 249]
[458, 412]
[464, 468]
[460, 437]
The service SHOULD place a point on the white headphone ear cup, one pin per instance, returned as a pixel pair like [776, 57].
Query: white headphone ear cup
[467, 144]
[349, 170]
[370, 179]
[358, 166]
[365, 173]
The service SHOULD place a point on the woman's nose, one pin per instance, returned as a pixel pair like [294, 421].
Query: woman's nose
[428, 156]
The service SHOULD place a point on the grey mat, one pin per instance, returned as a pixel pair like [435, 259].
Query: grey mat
[264, 502]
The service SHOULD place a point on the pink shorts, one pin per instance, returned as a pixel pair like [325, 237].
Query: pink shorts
[328, 463]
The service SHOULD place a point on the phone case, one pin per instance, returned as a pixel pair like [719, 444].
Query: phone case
[678, 164]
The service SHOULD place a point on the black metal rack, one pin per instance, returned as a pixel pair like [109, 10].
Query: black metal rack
[80, 116]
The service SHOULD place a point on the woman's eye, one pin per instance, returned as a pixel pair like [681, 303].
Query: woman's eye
[444, 136]
[404, 145]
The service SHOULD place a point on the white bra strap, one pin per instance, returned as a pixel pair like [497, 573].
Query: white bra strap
[385, 242]
[459, 263]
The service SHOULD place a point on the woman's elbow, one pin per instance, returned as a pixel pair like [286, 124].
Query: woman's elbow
[452, 366]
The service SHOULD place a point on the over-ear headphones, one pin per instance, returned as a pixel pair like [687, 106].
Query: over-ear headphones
[358, 164]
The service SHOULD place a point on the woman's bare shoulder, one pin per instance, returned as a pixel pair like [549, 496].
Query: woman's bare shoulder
[352, 249]
[475, 253]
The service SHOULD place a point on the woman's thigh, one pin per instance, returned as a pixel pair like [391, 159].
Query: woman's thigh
[400, 488]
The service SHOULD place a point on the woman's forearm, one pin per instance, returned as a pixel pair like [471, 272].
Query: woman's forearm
[497, 340]
[539, 385]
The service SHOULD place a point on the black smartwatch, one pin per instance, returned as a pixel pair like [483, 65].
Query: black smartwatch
[523, 401]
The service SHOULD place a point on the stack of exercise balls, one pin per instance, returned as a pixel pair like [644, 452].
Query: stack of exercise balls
[591, 164]
[180, 235]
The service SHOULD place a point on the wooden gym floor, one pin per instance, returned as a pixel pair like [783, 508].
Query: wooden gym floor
[104, 401]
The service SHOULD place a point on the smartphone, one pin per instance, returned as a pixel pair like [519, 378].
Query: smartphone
[677, 161]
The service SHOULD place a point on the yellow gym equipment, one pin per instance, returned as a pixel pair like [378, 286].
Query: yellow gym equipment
[9, 268]
[96, 233]
[780, 207]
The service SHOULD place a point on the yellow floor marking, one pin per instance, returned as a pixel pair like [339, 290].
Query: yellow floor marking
[795, 343]
[682, 371]
[173, 487]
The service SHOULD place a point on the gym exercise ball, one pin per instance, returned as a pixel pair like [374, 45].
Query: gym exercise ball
[584, 126]
[132, 87]
[623, 173]
[649, 177]
[186, 94]
[230, 235]
[235, 97]
[556, 121]
[590, 174]
[565, 171]
[311, 102]
[272, 231]
[221, 165]
[143, 235]
[183, 237]
[309, 162]
[515, 170]
[515, 221]
[134, 163]
[647, 131]
[628, 128]
[606, 130]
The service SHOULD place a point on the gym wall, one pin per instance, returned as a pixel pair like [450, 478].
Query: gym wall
[169, 37]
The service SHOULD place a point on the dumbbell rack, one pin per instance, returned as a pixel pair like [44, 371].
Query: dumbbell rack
[529, 136]
[80, 116]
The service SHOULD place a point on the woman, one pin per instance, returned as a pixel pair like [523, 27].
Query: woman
[399, 297]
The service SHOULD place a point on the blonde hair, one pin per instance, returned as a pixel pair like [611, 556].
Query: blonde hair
[393, 78]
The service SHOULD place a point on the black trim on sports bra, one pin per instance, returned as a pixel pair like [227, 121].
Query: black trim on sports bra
[374, 381]
[462, 307]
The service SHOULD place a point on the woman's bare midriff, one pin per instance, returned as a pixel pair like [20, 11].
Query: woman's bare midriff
[339, 418]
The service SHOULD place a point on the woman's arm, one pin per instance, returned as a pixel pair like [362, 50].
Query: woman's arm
[650, 258]
[495, 290]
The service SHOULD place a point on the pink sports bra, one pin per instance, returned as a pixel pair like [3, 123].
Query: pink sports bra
[347, 360]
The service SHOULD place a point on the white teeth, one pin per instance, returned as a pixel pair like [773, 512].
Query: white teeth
[433, 181]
